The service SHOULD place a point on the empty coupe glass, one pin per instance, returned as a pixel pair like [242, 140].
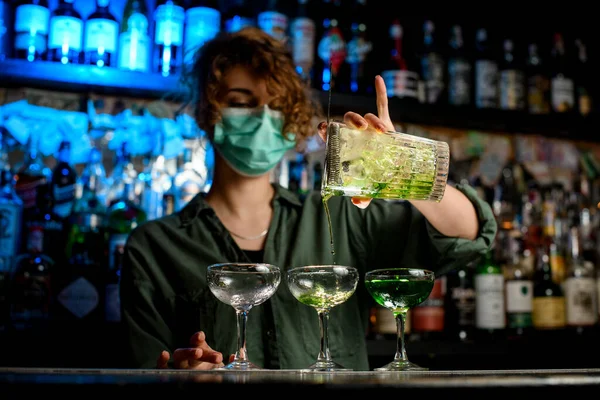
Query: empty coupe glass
[242, 286]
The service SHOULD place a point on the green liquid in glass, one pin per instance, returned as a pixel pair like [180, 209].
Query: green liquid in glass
[399, 294]
[325, 199]
[322, 300]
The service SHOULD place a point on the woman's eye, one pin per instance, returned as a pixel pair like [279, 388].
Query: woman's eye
[238, 105]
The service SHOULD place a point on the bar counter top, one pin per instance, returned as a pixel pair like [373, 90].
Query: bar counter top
[277, 383]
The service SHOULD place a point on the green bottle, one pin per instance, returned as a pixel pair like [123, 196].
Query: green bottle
[490, 316]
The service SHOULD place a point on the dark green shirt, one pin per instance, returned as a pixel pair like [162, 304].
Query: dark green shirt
[165, 298]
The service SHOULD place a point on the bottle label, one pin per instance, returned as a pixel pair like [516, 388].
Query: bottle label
[10, 223]
[489, 301]
[385, 323]
[433, 76]
[464, 303]
[201, 24]
[429, 315]
[169, 25]
[64, 198]
[332, 49]
[303, 41]
[519, 296]
[32, 19]
[65, 31]
[101, 35]
[486, 84]
[549, 312]
[274, 23]
[401, 83]
[134, 45]
[24, 41]
[459, 82]
[563, 95]
[358, 49]
[580, 300]
[512, 90]
[537, 95]
[80, 297]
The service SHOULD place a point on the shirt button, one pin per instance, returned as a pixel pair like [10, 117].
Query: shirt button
[270, 333]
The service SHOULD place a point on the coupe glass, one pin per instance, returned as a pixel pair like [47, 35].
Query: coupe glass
[242, 286]
[323, 287]
[399, 290]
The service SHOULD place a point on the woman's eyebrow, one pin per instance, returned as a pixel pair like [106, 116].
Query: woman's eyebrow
[241, 90]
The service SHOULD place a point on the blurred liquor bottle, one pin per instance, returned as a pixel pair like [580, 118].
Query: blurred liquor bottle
[134, 39]
[538, 83]
[433, 67]
[169, 19]
[332, 46]
[512, 78]
[66, 34]
[202, 23]
[32, 18]
[459, 69]
[486, 71]
[562, 86]
[303, 32]
[101, 35]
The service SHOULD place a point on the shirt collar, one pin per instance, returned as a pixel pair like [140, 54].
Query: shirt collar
[198, 204]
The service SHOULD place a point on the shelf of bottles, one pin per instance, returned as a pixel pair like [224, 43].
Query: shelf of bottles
[444, 71]
[111, 171]
[533, 301]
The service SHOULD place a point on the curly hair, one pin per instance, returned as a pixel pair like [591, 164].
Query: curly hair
[270, 60]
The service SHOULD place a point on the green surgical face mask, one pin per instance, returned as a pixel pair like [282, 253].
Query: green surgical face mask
[251, 140]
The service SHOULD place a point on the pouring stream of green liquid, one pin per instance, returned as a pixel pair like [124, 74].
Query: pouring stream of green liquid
[325, 199]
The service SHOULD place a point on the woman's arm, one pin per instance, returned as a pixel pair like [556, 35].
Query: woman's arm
[453, 216]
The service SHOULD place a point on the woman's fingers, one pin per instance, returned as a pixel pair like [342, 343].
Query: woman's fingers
[187, 357]
[163, 359]
[355, 120]
[361, 202]
[322, 129]
[198, 340]
[383, 110]
[376, 123]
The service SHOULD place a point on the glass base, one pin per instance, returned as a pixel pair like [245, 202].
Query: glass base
[405, 365]
[240, 366]
[325, 366]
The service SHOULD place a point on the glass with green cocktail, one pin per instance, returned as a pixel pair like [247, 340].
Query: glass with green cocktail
[399, 290]
[323, 287]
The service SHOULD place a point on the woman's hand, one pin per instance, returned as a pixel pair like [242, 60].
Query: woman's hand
[198, 356]
[380, 122]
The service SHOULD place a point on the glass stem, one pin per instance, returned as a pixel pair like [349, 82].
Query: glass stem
[400, 349]
[324, 355]
[240, 354]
